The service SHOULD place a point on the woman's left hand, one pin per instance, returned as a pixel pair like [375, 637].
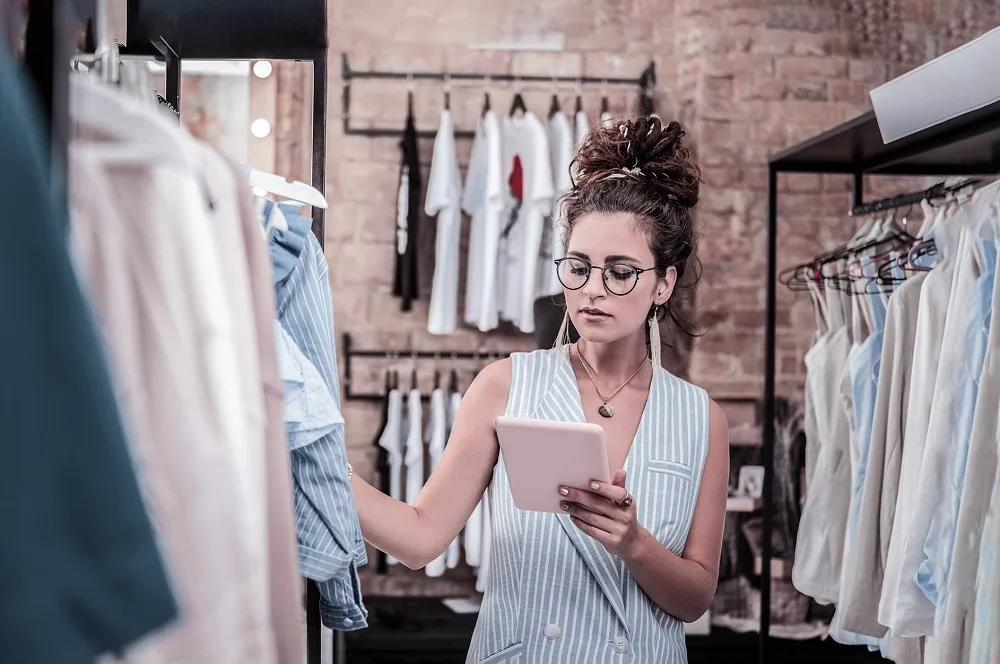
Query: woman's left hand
[599, 513]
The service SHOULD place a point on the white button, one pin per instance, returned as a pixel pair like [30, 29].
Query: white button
[621, 644]
[552, 631]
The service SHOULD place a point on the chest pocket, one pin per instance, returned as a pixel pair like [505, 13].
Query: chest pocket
[669, 501]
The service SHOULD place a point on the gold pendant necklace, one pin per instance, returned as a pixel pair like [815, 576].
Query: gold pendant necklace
[606, 409]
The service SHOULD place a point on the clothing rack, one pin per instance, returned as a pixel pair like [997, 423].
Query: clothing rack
[350, 353]
[254, 29]
[968, 144]
[646, 82]
[939, 190]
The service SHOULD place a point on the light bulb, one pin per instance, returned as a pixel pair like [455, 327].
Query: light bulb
[262, 69]
[260, 128]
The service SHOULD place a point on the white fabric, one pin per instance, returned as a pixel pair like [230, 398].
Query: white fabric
[483, 201]
[914, 612]
[561, 151]
[961, 619]
[820, 542]
[391, 441]
[525, 158]
[863, 569]
[931, 316]
[581, 128]
[437, 426]
[414, 455]
[455, 548]
[444, 200]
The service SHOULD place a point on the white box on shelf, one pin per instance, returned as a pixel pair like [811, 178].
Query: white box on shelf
[955, 83]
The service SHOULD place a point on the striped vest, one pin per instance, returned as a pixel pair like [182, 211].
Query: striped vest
[553, 593]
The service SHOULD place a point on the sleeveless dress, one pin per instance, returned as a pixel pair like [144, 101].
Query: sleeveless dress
[553, 593]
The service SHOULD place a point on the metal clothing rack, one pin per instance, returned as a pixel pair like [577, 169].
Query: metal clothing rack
[937, 191]
[965, 145]
[350, 353]
[646, 82]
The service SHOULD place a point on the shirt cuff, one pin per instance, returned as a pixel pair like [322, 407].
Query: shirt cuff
[341, 606]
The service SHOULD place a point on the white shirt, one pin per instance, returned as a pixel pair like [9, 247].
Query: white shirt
[444, 200]
[528, 178]
[483, 201]
[455, 548]
[931, 316]
[414, 456]
[561, 151]
[582, 128]
[437, 426]
[392, 442]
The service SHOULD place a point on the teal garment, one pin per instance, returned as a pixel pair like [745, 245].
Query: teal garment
[80, 572]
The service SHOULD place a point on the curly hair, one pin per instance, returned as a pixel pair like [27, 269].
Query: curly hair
[641, 167]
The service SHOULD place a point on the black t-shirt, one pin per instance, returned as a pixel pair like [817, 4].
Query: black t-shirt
[405, 284]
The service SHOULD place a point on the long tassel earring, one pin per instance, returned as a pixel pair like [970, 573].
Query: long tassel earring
[654, 339]
[562, 338]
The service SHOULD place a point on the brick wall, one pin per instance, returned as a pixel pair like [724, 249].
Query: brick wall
[746, 77]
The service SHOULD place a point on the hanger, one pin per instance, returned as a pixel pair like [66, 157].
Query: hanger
[437, 379]
[453, 381]
[447, 92]
[409, 96]
[604, 104]
[579, 96]
[554, 106]
[279, 186]
[395, 379]
[413, 379]
[518, 103]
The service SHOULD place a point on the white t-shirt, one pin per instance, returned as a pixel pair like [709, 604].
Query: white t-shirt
[582, 128]
[529, 192]
[414, 458]
[561, 151]
[391, 441]
[483, 201]
[454, 549]
[437, 432]
[444, 200]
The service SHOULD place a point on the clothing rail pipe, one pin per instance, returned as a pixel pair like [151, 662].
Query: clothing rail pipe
[646, 82]
[937, 191]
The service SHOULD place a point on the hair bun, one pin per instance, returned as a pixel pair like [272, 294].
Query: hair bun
[642, 148]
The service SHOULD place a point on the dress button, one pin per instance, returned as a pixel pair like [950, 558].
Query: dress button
[621, 644]
[552, 631]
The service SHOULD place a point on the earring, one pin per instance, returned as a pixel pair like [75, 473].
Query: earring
[562, 338]
[654, 339]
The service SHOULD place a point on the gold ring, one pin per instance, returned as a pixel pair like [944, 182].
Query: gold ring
[627, 500]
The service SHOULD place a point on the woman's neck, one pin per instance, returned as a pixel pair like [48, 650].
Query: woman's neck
[617, 359]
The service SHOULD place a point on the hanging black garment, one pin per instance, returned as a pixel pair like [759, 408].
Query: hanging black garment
[405, 285]
[382, 461]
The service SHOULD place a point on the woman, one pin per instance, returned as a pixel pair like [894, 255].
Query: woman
[613, 579]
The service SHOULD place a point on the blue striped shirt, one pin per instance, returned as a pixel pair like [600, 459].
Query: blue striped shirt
[329, 536]
[553, 593]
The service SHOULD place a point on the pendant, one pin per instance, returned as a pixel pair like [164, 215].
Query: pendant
[606, 410]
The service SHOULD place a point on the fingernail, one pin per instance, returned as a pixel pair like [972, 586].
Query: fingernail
[565, 506]
[564, 491]
[595, 485]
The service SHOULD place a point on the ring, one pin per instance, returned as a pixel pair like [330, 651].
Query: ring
[627, 500]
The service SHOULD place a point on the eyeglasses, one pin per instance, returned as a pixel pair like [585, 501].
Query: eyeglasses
[619, 278]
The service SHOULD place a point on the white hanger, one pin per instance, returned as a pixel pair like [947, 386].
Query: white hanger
[279, 186]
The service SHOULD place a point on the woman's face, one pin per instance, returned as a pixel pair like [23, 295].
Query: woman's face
[599, 314]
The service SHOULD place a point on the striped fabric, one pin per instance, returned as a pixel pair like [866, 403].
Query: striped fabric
[556, 595]
[330, 544]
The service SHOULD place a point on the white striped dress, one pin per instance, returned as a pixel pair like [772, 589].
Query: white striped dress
[554, 594]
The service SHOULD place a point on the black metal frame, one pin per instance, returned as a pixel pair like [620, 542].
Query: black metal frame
[966, 145]
[646, 82]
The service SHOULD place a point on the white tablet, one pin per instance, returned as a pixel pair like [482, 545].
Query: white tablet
[542, 455]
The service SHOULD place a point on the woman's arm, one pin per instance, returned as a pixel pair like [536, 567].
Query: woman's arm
[417, 534]
[684, 586]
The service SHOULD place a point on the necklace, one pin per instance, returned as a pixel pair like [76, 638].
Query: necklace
[606, 409]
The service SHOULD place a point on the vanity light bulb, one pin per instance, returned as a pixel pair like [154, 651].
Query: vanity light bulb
[262, 69]
[260, 128]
